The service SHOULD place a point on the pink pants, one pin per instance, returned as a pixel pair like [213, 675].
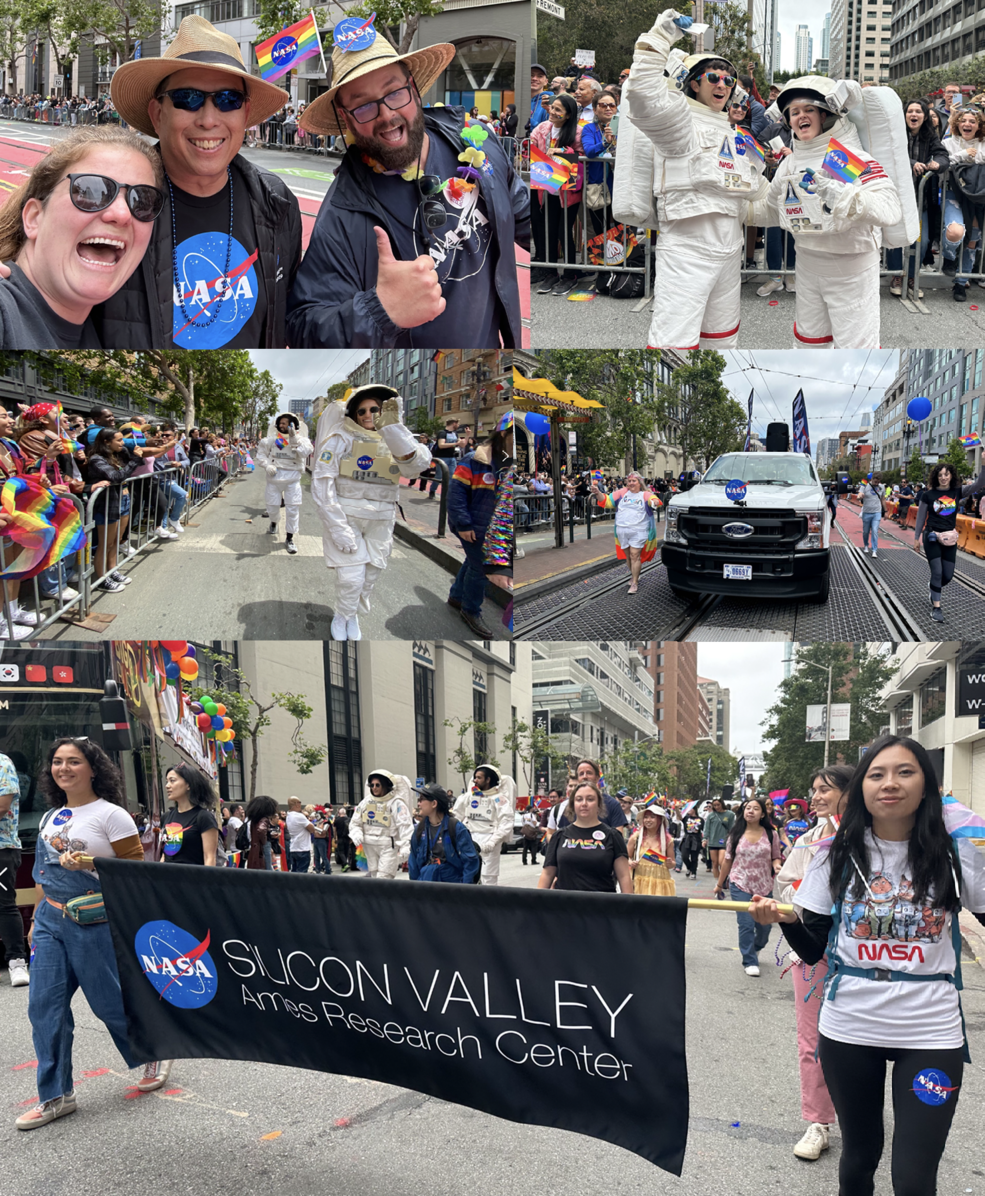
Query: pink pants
[815, 1103]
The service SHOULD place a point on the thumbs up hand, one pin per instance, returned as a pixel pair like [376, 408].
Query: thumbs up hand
[409, 291]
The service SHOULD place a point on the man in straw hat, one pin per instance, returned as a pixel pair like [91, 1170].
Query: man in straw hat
[227, 245]
[414, 243]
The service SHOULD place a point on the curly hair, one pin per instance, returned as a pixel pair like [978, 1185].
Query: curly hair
[955, 116]
[935, 476]
[107, 780]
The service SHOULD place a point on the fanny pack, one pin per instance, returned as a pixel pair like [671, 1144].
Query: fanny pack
[86, 910]
[948, 538]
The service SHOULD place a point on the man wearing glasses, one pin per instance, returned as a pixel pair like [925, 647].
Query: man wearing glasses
[414, 243]
[228, 242]
[707, 177]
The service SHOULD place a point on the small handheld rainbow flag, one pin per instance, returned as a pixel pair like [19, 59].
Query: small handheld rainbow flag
[546, 173]
[972, 440]
[282, 52]
[361, 861]
[745, 141]
[232, 859]
[841, 163]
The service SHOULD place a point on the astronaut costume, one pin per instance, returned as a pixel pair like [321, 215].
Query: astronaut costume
[283, 457]
[837, 225]
[488, 814]
[356, 485]
[383, 825]
[703, 182]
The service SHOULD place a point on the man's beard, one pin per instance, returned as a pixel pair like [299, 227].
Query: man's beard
[401, 157]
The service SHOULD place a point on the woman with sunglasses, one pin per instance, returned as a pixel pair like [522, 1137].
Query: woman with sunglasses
[560, 137]
[73, 234]
[110, 464]
[598, 140]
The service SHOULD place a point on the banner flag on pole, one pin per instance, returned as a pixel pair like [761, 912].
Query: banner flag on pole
[418, 985]
[282, 52]
[801, 436]
[748, 443]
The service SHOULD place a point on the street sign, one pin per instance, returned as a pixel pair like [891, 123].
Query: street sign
[556, 10]
[57, 81]
[138, 51]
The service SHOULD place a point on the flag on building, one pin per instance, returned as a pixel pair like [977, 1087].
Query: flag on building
[282, 52]
[972, 440]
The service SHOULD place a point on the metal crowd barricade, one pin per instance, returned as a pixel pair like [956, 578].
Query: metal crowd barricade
[204, 480]
[48, 586]
[973, 275]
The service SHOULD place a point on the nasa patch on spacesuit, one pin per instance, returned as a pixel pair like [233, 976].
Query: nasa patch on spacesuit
[369, 461]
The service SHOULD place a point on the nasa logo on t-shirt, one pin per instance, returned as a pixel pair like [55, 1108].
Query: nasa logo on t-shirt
[61, 818]
[598, 835]
[173, 834]
[364, 462]
[932, 1087]
[201, 260]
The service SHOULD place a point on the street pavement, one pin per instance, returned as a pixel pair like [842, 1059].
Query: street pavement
[250, 1129]
[226, 578]
[604, 323]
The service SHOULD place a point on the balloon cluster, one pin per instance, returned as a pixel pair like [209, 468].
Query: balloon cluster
[210, 716]
[183, 666]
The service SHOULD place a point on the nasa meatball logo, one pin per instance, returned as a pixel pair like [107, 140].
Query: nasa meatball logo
[201, 260]
[475, 803]
[370, 814]
[284, 50]
[489, 479]
[178, 966]
[932, 1087]
[61, 818]
[365, 462]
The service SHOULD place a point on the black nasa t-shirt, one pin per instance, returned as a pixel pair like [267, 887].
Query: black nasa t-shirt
[462, 250]
[201, 244]
[585, 856]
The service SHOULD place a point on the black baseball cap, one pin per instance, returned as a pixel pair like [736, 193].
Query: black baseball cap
[535, 66]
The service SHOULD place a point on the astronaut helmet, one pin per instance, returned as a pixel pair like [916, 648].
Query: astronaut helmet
[693, 66]
[294, 424]
[833, 96]
[491, 773]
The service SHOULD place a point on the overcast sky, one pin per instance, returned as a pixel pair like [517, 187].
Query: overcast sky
[838, 387]
[307, 373]
[751, 673]
[789, 16]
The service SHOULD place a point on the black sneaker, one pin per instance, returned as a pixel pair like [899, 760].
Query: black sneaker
[538, 274]
[548, 284]
[476, 624]
[959, 291]
[564, 284]
[272, 529]
[937, 615]
[949, 266]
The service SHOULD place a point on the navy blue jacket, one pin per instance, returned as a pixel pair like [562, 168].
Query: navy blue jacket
[333, 303]
[461, 861]
[475, 487]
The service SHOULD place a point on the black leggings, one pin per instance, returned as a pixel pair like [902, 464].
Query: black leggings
[689, 854]
[942, 561]
[856, 1079]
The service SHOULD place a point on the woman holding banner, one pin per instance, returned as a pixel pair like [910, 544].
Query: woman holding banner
[889, 889]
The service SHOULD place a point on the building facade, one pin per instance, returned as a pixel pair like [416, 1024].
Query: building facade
[803, 50]
[827, 452]
[826, 36]
[861, 33]
[673, 669]
[929, 33]
[719, 709]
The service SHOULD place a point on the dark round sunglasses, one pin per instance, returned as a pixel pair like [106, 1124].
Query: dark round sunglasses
[95, 192]
[191, 99]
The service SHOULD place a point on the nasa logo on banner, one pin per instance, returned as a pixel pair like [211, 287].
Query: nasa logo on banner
[178, 966]
[201, 260]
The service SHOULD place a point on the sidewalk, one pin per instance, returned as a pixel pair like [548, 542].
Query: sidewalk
[541, 561]
[422, 516]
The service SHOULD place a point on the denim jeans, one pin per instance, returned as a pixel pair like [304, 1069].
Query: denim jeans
[176, 498]
[323, 861]
[953, 214]
[894, 257]
[870, 526]
[752, 936]
[779, 246]
[48, 579]
[68, 957]
[300, 861]
[469, 587]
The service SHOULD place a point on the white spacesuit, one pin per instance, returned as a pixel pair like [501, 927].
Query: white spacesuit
[488, 814]
[282, 454]
[356, 485]
[703, 181]
[836, 225]
[382, 823]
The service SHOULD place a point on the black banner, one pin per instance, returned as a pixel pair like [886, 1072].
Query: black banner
[561, 1009]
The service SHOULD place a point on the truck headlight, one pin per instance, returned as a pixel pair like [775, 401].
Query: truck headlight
[671, 533]
[815, 530]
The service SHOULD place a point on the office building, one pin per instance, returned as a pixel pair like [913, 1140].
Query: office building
[826, 36]
[803, 50]
[860, 40]
[674, 670]
[719, 710]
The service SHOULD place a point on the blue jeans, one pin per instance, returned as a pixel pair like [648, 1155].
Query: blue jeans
[953, 214]
[299, 861]
[323, 861]
[177, 497]
[752, 936]
[469, 587]
[68, 957]
[780, 244]
[894, 257]
[48, 579]
[870, 526]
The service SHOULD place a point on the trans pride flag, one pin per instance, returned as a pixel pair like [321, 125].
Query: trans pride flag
[282, 52]
[841, 163]
[547, 174]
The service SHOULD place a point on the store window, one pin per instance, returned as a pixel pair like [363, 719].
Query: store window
[482, 74]
[932, 696]
[427, 766]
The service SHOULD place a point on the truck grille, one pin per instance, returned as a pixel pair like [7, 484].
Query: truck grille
[777, 530]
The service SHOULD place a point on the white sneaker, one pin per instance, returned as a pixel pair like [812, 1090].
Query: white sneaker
[874, 556]
[155, 1075]
[18, 632]
[27, 618]
[865, 550]
[178, 528]
[19, 975]
[164, 533]
[339, 628]
[769, 286]
[791, 286]
[752, 970]
[47, 1112]
[813, 1142]
[66, 594]
[352, 629]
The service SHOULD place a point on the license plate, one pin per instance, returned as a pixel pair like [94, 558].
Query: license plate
[738, 572]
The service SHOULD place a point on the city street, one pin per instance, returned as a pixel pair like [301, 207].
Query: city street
[259, 1130]
[226, 578]
[584, 597]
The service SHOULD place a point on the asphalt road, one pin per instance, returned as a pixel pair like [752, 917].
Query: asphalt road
[207, 1132]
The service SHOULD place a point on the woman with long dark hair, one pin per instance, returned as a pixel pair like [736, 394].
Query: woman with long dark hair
[441, 848]
[109, 465]
[752, 859]
[927, 155]
[883, 903]
[259, 813]
[190, 834]
[86, 820]
[936, 528]
[560, 138]
[718, 824]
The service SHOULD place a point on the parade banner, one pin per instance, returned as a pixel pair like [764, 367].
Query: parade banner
[801, 436]
[426, 986]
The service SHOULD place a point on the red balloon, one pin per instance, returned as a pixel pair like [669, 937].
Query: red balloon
[203, 721]
[179, 646]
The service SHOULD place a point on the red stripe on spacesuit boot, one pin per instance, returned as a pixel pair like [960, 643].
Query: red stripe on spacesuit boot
[811, 340]
[718, 336]
[676, 348]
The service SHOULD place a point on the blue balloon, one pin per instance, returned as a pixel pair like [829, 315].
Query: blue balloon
[919, 408]
[171, 670]
[217, 723]
[227, 747]
[536, 424]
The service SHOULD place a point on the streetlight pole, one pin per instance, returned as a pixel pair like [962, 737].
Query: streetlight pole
[829, 669]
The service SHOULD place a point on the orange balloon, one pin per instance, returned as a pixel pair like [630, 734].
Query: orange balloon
[232, 733]
[227, 723]
[220, 709]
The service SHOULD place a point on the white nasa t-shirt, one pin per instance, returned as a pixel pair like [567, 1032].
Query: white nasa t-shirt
[888, 930]
[91, 829]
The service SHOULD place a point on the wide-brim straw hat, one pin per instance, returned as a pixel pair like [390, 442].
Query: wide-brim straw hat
[348, 65]
[198, 44]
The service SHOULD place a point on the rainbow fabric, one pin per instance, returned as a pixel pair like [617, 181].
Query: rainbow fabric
[546, 173]
[497, 548]
[610, 502]
[46, 526]
[746, 141]
[650, 856]
[972, 440]
[841, 163]
[361, 862]
[274, 56]
[232, 859]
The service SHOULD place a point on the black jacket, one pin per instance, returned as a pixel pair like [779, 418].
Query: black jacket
[129, 321]
[333, 303]
[927, 146]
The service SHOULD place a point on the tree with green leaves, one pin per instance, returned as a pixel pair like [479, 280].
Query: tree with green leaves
[957, 455]
[13, 40]
[639, 766]
[732, 27]
[859, 673]
[463, 759]
[424, 424]
[274, 15]
[260, 404]
[707, 420]
[115, 25]
[392, 15]
[250, 714]
[47, 19]
[534, 748]
[689, 768]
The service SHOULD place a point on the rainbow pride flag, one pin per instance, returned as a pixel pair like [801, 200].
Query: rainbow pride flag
[46, 526]
[841, 163]
[361, 861]
[745, 141]
[282, 52]
[547, 174]
[972, 440]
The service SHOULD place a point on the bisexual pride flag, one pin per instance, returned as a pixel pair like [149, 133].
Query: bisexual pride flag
[841, 163]
[282, 52]
[546, 173]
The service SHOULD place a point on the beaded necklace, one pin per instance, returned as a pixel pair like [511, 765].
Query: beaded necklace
[178, 289]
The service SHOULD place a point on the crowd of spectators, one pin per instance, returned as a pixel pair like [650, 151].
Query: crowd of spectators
[59, 110]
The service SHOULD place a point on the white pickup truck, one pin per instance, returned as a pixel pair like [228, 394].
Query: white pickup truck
[756, 525]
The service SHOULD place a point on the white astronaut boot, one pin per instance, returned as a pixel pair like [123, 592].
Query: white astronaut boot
[349, 581]
[372, 574]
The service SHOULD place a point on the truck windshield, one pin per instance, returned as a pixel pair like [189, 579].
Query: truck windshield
[761, 469]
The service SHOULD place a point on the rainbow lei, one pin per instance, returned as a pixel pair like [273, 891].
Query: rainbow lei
[497, 548]
[47, 526]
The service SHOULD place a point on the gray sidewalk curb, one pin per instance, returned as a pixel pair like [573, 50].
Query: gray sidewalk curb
[444, 557]
[973, 939]
[535, 589]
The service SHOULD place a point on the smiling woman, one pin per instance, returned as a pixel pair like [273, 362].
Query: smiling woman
[73, 234]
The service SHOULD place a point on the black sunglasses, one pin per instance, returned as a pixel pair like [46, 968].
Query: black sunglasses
[191, 99]
[95, 192]
[434, 214]
[368, 111]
